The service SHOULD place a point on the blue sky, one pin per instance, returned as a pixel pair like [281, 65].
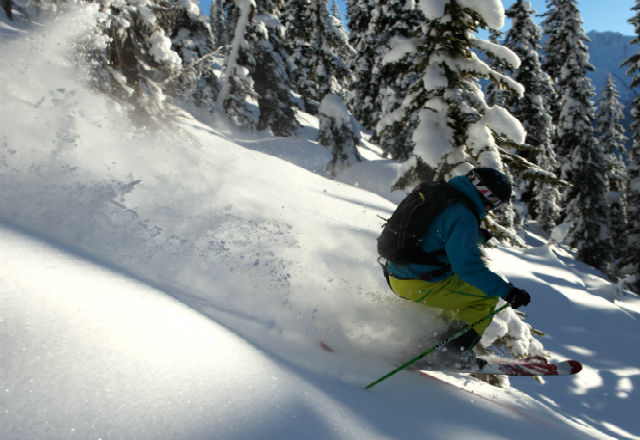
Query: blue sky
[599, 15]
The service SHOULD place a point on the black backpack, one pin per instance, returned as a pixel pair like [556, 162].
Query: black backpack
[399, 241]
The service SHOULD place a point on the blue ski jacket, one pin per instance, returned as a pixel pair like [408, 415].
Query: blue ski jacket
[456, 231]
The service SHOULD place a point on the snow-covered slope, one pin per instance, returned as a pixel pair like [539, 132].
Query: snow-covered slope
[173, 284]
[89, 352]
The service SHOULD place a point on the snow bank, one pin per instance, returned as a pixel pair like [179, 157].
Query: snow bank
[88, 353]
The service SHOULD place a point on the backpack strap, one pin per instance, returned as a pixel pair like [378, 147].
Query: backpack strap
[428, 276]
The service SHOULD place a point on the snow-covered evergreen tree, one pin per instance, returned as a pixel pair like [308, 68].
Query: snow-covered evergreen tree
[580, 154]
[146, 51]
[271, 73]
[231, 13]
[379, 88]
[237, 98]
[192, 39]
[455, 128]
[364, 100]
[632, 254]
[610, 133]
[395, 21]
[495, 94]
[513, 215]
[567, 62]
[256, 91]
[553, 48]
[149, 49]
[319, 47]
[541, 192]
[218, 22]
[554, 51]
[338, 133]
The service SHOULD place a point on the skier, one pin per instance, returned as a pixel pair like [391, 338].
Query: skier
[462, 287]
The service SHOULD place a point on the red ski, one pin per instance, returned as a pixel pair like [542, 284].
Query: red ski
[533, 367]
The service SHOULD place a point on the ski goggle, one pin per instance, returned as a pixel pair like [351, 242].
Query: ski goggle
[489, 198]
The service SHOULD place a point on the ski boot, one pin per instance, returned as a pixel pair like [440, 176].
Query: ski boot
[456, 355]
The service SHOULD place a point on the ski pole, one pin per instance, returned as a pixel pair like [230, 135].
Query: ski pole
[438, 345]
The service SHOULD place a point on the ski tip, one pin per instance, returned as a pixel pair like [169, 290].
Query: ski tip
[575, 366]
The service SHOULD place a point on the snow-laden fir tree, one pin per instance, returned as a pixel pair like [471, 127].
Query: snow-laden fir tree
[271, 73]
[364, 100]
[455, 128]
[580, 154]
[238, 99]
[567, 62]
[494, 93]
[513, 215]
[142, 50]
[379, 88]
[146, 51]
[394, 21]
[231, 13]
[338, 133]
[632, 254]
[219, 23]
[554, 51]
[610, 134]
[138, 53]
[553, 47]
[298, 37]
[319, 48]
[256, 90]
[192, 39]
[540, 191]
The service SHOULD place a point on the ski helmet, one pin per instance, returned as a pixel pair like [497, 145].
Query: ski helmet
[493, 186]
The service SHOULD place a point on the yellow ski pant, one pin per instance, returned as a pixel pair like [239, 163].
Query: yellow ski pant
[459, 300]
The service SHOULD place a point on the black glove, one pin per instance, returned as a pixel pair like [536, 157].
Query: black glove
[517, 297]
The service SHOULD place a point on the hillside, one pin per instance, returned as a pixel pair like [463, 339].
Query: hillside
[172, 282]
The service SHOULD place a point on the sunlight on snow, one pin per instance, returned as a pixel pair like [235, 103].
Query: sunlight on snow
[582, 297]
[587, 379]
[619, 431]
[624, 387]
[590, 378]
[580, 350]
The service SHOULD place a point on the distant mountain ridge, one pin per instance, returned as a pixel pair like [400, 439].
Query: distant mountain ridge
[607, 51]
